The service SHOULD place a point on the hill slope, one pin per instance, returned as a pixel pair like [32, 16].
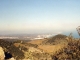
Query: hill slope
[57, 39]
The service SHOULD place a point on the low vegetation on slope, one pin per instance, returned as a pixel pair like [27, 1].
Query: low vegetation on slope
[11, 48]
[57, 39]
[71, 52]
[58, 47]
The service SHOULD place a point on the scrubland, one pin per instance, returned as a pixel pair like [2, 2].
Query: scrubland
[58, 47]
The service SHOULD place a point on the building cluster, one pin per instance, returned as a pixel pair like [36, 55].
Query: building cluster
[38, 36]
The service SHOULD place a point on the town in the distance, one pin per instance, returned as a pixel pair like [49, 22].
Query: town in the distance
[26, 36]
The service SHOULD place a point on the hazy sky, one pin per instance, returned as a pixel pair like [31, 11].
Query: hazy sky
[39, 16]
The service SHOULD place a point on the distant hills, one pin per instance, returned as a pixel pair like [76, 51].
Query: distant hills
[55, 39]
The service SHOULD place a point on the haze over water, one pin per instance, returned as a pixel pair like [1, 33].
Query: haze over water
[39, 16]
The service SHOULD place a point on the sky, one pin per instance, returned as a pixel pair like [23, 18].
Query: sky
[39, 16]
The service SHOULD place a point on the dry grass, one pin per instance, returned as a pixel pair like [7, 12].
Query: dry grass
[48, 48]
[32, 49]
[51, 48]
[38, 42]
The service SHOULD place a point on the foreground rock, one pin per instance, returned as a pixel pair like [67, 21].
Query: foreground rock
[2, 56]
[11, 59]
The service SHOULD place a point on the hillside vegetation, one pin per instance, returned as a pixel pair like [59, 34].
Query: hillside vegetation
[58, 47]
